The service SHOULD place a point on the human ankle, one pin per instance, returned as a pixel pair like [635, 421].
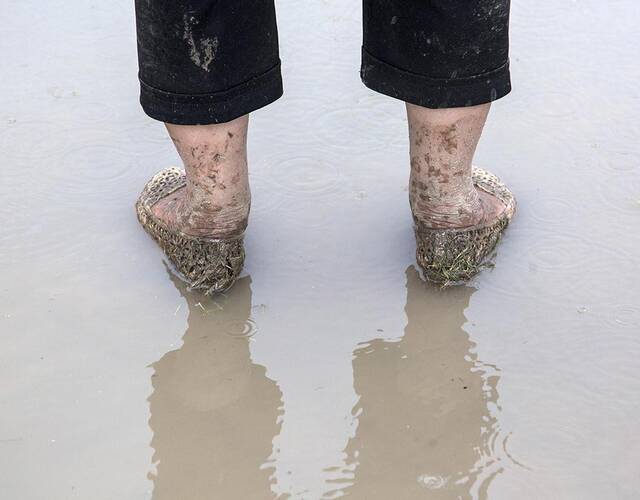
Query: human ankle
[451, 209]
[216, 199]
[214, 219]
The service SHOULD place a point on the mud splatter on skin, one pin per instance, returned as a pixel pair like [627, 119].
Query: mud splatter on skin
[202, 52]
[449, 139]
[441, 191]
[415, 164]
[216, 200]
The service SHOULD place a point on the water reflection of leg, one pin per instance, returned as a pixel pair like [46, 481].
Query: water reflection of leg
[424, 423]
[213, 412]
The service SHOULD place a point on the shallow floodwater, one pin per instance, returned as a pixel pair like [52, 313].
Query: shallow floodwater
[330, 369]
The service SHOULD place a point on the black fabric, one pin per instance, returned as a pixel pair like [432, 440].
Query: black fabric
[210, 61]
[206, 61]
[437, 53]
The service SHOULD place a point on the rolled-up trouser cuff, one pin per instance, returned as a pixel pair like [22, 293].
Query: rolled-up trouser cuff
[218, 107]
[434, 92]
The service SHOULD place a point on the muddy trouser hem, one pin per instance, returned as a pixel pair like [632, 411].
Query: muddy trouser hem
[437, 53]
[204, 61]
[434, 92]
[218, 107]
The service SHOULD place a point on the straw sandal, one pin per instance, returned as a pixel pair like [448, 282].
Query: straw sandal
[208, 264]
[453, 256]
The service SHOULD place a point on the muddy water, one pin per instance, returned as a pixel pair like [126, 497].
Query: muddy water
[331, 369]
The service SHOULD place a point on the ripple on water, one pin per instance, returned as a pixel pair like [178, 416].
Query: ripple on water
[33, 140]
[619, 161]
[80, 111]
[264, 199]
[432, 482]
[310, 214]
[559, 251]
[94, 175]
[551, 265]
[293, 119]
[241, 329]
[307, 175]
[622, 193]
[554, 103]
[624, 316]
[365, 125]
[564, 251]
[552, 212]
[145, 137]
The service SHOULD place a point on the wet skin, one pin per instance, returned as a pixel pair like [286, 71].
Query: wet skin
[215, 202]
[441, 190]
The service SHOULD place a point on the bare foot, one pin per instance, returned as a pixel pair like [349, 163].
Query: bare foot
[492, 207]
[476, 208]
[216, 199]
[212, 221]
[442, 145]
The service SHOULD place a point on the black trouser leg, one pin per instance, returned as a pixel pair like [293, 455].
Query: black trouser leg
[437, 53]
[207, 61]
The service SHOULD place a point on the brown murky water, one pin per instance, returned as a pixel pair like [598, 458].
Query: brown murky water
[330, 369]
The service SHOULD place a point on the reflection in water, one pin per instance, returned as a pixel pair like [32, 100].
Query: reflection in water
[213, 412]
[426, 428]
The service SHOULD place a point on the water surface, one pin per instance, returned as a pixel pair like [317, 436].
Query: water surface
[331, 370]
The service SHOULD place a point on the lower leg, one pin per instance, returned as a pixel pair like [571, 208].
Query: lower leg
[216, 199]
[442, 145]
